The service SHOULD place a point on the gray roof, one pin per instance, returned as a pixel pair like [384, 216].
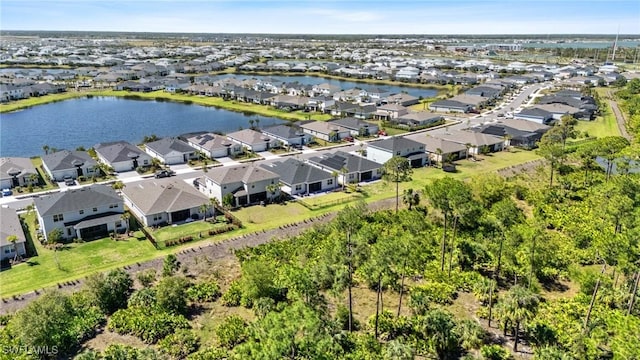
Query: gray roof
[351, 123]
[167, 145]
[10, 226]
[244, 173]
[66, 159]
[535, 112]
[294, 171]
[118, 151]
[10, 166]
[453, 104]
[420, 116]
[77, 199]
[340, 159]
[210, 141]
[467, 137]
[163, 195]
[249, 136]
[284, 131]
[432, 144]
[525, 125]
[394, 144]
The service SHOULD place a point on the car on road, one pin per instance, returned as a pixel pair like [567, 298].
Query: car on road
[164, 173]
[7, 192]
[68, 180]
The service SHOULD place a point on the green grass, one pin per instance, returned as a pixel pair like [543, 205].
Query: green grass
[602, 126]
[174, 232]
[75, 261]
[41, 100]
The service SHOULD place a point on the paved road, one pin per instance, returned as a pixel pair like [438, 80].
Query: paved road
[622, 124]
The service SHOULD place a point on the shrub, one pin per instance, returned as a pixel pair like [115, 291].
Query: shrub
[144, 298]
[233, 296]
[232, 331]
[206, 291]
[179, 344]
[494, 352]
[148, 324]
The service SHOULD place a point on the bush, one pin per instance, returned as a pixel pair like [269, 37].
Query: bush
[233, 296]
[439, 293]
[150, 325]
[144, 298]
[204, 292]
[179, 344]
[232, 331]
[146, 277]
[494, 352]
[171, 294]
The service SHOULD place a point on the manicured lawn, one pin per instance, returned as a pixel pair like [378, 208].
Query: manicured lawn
[256, 218]
[191, 229]
[333, 198]
[33, 101]
[602, 126]
[75, 261]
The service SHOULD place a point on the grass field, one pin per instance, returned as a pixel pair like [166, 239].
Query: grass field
[174, 232]
[602, 126]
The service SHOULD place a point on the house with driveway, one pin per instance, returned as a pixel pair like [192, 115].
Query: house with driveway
[475, 141]
[64, 163]
[253, 140]
[86, 213]
[349, 168]
[246, 184]
[171, 151]
[299, 178]
[450, 106]
[164, 201]
[418, 119]
[214, 145]
[122, 156]
[535, 114]
[15, 171]
[325, 130]
[383, 150]
[11, 226]
[357, 127]
[288, 135]
[438, 149]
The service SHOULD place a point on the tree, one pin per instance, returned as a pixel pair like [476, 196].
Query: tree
[171, 294]
[344, 171]
[228, 200]
[204, 209]
[609, 148]
[552, 149]
[46, 149]
[411, 198]
[334, 175]
[170, 265]
[397, 169]
[518, 306]
[118, 185]
[438, 328]
[125, 218]
[438, 194]
[13, 240]
[110, 292]
[232, 331]
[272, 189]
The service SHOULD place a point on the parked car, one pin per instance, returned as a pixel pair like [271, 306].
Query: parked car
[164, 173]
[7, 192]
[68, 180]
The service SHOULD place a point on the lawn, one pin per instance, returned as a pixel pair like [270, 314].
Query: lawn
[40, 100]
[75, 261]
[602, 126]
[172, 232]
[333, 198]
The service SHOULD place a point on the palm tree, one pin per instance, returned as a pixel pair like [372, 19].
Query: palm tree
[271, 189]
[34, 179]
[468, 146]
[125, 218]
[215, 204]
[13, 239]
[439, 153]
[118, 186]
[335, 174]
[518, 306]
[411, 198]
[203, 209]
[46, 149]
[344, 171]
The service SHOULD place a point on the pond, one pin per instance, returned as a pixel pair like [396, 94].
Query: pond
[85, 122]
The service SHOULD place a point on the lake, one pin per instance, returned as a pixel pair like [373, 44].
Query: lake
[343, 84]
[85, 122]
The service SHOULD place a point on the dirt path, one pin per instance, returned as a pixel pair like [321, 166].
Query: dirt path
[619, 116]
[190, 256]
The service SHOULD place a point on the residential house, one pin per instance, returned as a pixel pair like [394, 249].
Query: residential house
[390, 111]
[477, 142]
[300, 178]
[401, 99]
[214, 145]
[289, 101]
[517, 137]
[164, 201]
[451, 106]
[16, 171]
[559, 110]
[356, 127]
[64, 163]
[535, 114]
[253, 140]
[418, 119]
[11, 226]
[439, 149]
[122, 156]
[288, 135]
[351, 168]
[171, 151]
[247, 184]
[383, 150]
[86, 213]
[11, 92]
[325, 130]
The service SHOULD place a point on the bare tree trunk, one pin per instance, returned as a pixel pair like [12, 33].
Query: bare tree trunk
[379, 295]
[453, 239]
[533, 256]
[497, 274]
[444, 239]
[593, 299]
[490, 302]
[516, 332]
[633, 294]
[404, 264]
[350, 279]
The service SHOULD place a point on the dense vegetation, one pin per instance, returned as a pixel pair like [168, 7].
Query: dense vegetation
[630, 96]
[546, 262]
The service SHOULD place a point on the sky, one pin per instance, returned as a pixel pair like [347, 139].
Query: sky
[326, 17]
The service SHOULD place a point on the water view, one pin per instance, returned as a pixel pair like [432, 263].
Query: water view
[343, 84]
[85, 122]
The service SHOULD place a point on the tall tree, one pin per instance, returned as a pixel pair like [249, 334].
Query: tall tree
[552, 149]
[411, 198]
[519, 305]
[397, 169]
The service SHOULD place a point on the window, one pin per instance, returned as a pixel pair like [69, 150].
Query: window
[119, 224]
[330, 182]
[351, 176]
[69, 231]
[95, 209]
[146, 162]
[81, 212]
[298, 187]
[253, 186]
[398, 153]
[113, 206]
[58, 217]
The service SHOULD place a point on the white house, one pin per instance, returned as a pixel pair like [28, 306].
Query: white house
[86, 213]
[214, 145]
[171, 151]
[383, 150]
[164, 201]
[247, 184]
[11, 227]
[253, 140]
[300, 178]
[17, 172]
[122, 156]
[68, 163]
